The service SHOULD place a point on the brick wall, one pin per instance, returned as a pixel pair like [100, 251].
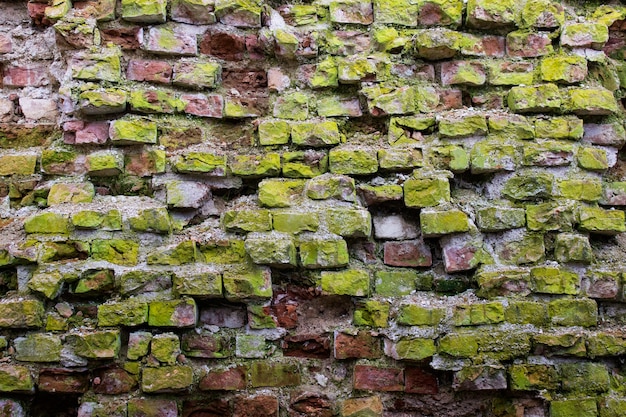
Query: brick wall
[330, 208]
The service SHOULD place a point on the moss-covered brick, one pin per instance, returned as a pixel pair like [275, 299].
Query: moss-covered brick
[511, 126]
[251, 346]
[590, 102]
[71, 193]
[16, 378]
[183, 253]
[384, 99]
[502, 281]
[116, 251]
[165, 348]
[260, 317]
[610, 406]
[154, 101]
[456, 126]
[399, 159]
[155, 220]
[460, 344]
[549, 216]
[492, 156]
[173, 313]
[247, 221]
[376, 194]
[295, 222]
[489, 14]
[106, 163]
[573, 312]
[530, 377]
[528, 43]
[553, 280]
[567, 69]
[510, 73]
[411, 349]
[21, 313]
[581, 188]
[223, 252]
[426, 192]
[123, 313]
[274, 374]
[200, 163]
[547, 153]
[453, 158]
[47, 223]
[395, 283]
[542, 14]
[255, 166]
[504, 345]
[494, 219]
[354, 69]
[100, 344]
[579, 407]
[325, 73]
[526, 248]
[407, 130]
[339, 106]
[438, 223]
[414, 315]
[397, 12]
[304, 164]
[603, 284]
[535, 99]
[568, 343]
[18, 164]
[197, 282]
[103, 65]
[138, 344]
[133, 131]
[173, 378]
[274, 249]
[327, 186]
[38, 347]
[48, 283]
[572, 247]
[372, 313]
[559, 128]
[248, 282]
[145, 11]
[353, 161]
[526, 312]
[614, 193]
[529, 186]
[584, 377]
[96, 102]
[598, 220]
[274, 132]
[477, 314]
[593, 159]
[95, 282]
[348, 222]
[200, 75]
[293, 106]
[588, 34]
[280, 192]
[437, 44]
[355, 282]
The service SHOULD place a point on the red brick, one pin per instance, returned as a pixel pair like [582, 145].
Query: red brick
[529, 45]
[203, 345]
[361, 346]
[126, 37]
[6, 44]
[306, 346]
[113, 381]
[310, 404]
[225, 380]
[37, 13]
[460, 256]
[179, 41]
[206, 408]
[231, 317]
[451, 73]
[449, 99]
[378, 379]
[246, 79]
[351, 43]
[62, 380]
[420, 381]
[259, 406]
[202, 105]
[153, 71]
[25, 76]
[227, 46]
[407, 253]
[77, 132]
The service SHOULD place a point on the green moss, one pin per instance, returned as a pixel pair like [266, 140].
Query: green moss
[552, 280]
[373, 313]
[16, 378]
[529, 377]
[353, 161]
[526, 312]
[47, 223]
[347, 222]
[247, 221]
[317, 134]
[144, 10]
[111, 100]
[477, 314]
[541, 98]
[201, 162]
[166, 379]
[414, 315]
[573, 312]
[593, 159]
[101, 66]
[564, 69]
[124, 313]
[492, 219]
[103, 344]
[591, 102]
[117, 251]
[293, 106]
[319, 253]
[542, 14]
[598, 220]
[155, 101]
[584, 189]
[549, 216]
[454, 127]
[265, 165]
[134, 131]
[529, 186]
[426, 192]
[526, 249]
[47, 283]
[459, 344]
[224, 252]
[449, 157]
[152, 220]
[198, 75]
[354, 282]
[18, 164]
[173, 313]
[274, 132]
[271, 249]
[247, 283]
[438, 223]
[397, 12]
[492, 156]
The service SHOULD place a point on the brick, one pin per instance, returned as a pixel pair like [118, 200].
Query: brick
[152, 407]
[144, 12]
[363, 345]
[420, 381]
[231, 379]
[479, 378]
[39, 109]
[306, 346]
[225, 45]
[151, 71]
[113, 381]
[525, 44]
[196, 75]
[463, 72]
[407, 253]
[62, 380]
[78, 132]
[378, 379]
[211, 105]
[193, 12]
[171, 40]
[593, 35]
[365, 406]
[6, 44]
[31, 76]
[127, 38]
[274, 374]
[256, 406]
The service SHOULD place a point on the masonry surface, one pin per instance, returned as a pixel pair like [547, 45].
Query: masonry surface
[330, 208]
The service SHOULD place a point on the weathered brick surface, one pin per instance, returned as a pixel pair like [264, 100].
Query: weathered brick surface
[251, 208]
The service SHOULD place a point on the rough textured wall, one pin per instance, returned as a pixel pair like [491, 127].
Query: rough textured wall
[337, 208]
